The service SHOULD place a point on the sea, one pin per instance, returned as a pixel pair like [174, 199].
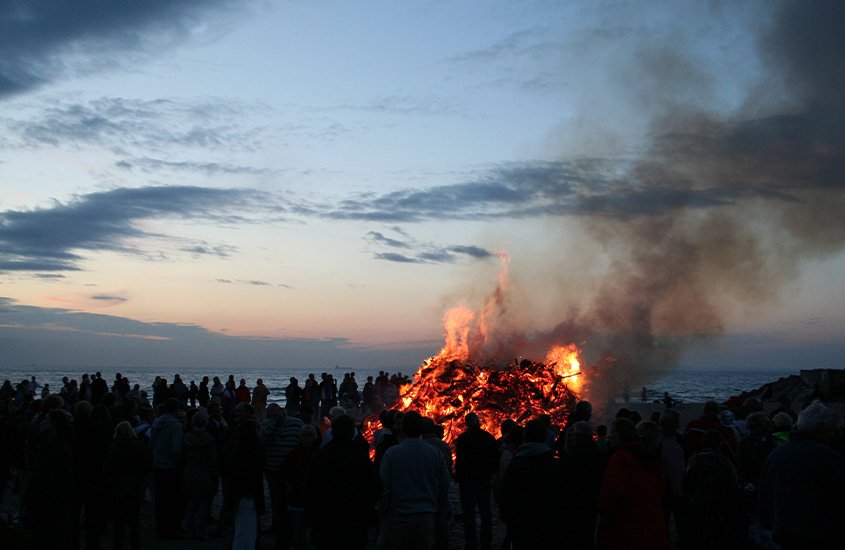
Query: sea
[685, 385]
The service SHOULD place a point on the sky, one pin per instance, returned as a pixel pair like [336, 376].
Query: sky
[285, 183]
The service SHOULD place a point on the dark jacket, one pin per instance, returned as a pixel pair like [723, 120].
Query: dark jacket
[341, 489]
[476, 456]
[530, 497]
[127, 463]
[200, 474]
[802, 492]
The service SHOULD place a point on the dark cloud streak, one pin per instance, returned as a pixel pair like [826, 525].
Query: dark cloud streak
[40, 39]
[43, 239]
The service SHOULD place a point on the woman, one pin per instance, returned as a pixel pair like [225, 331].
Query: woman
[630, 503]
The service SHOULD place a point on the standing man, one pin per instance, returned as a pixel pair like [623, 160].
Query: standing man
[338, 471]
[259, 400]
[166, 448]
[293, 397]
[277, 435]
[476, 462]
[415, 497]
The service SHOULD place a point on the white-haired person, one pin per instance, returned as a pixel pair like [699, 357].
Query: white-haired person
[802, 484]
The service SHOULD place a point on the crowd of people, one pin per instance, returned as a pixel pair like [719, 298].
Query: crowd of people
[91, 455]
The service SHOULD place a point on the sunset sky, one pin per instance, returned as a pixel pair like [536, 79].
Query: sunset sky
[226, 182]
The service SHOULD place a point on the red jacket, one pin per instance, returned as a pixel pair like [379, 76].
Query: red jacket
[630, 503]
[242, 395]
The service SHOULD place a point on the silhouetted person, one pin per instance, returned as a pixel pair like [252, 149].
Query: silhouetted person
[716, 518]
[530, 498]
[126, 465]
[50, 492]
[582, 467]
[414, 503]
[246, 482]
[709, 420]
[476, 462]
[341, 491]
[802, 485]
[166, 449]
[278, 435]
[293, 397]
[200, 475]
[92, 435]
[292, 474]
[630, 503]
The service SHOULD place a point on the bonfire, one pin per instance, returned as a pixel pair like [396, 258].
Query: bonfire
[457, 381]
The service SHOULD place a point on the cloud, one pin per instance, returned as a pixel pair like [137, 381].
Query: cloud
[43, 239]
[54, 336]
[42, 41]
[152, 125]
[413, 251]
[109, 299]
[251, 282]
[208, 168]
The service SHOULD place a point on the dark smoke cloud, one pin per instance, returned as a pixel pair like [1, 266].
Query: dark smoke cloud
[715, 214]
[722, 210]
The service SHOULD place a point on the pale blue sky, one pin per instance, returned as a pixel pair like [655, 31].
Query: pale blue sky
[330, 177]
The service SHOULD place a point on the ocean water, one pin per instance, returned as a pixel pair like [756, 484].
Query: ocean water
[683, 384]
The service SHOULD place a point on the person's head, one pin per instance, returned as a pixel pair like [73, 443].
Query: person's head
[752, 404]
[623, 431]
[170, 405]
[711, 408]
[670, 420]
[124, 430]
[727, 418]
[428, 428]
[601, 431]
[53, 402]
[306, 414]
[535, 431]
[293, 380]
[343, 427]
[82, 408]
[412, 424]
[758, 424]
[506, 426]
[584, 409]
[199, 421]
[243, 411]
[819, 421]
[516, 436]
[308, 435]
[471, 420]
[546, 420]
[274, 411]
[336, 411]
[649, 434]
[782, 422]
